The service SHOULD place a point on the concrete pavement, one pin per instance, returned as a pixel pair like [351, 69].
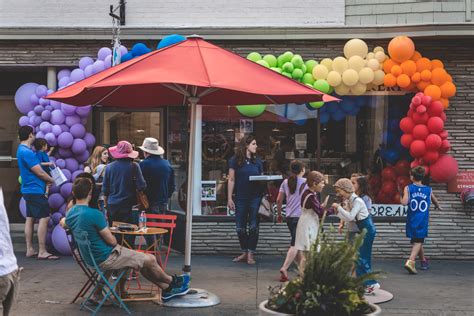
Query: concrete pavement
[446, 289]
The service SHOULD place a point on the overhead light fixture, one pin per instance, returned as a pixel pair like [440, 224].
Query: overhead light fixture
[276, 130]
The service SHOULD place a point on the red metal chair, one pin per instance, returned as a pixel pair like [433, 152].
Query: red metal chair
[162, 221]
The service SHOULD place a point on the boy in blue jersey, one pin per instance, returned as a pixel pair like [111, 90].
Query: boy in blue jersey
[418, 197]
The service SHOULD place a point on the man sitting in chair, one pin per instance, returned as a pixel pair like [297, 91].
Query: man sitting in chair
[111, 256]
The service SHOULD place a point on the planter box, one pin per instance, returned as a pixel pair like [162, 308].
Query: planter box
[264, 311]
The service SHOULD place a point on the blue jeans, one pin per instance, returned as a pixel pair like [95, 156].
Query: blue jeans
[155, 208]
[122, 213]
[246, 215]
[364, 264]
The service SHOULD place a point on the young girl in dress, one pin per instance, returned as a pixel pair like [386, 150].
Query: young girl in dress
[311, 213]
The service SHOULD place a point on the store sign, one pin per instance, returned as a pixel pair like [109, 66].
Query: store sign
[383, 90]
[463, 180]
[392, 210]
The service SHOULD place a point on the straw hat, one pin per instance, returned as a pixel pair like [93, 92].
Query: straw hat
[123, 150]
[152, 146]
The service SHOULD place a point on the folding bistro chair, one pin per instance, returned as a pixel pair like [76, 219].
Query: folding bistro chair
[102, 283]
[90, 273]
[162, 221]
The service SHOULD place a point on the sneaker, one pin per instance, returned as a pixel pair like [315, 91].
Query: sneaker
[369, 289]
[410, 266]
[425, 264]
[179, 286]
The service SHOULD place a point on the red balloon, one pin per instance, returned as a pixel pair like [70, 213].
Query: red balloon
[445, 169]
[396, 198]
[383, 198]
[389, 187]
[389, 174]
[433, 142]
[420, 118]
[430, 157]
[435, 109]
[421, 109]
[420, 131]
[426, 100]
[415, 163]
[417, 148]
[406, 140]
[416, 100]
[406, 125]
[403, 181]
[410, 112]
[445, 146]
[443, 134]
[435, 125]
[402, 167]
[443, 116]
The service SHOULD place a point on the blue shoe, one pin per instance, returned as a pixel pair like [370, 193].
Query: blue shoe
[425, 265]
[179, 286]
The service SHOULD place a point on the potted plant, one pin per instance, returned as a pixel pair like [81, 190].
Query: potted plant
[326, 286]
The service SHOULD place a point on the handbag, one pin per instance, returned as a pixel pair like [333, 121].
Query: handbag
[142, 199]
[58, 176]
[265, 210]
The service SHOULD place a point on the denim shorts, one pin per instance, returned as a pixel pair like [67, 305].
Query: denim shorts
[37, 205]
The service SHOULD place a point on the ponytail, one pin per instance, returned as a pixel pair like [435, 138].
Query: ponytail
[296, 167]
[292, 180]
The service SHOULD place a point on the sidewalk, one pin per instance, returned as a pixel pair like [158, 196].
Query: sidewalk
[446, 289]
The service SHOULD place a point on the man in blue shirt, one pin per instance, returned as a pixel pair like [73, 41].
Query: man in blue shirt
[158, 174]
[33, 187]
[107, 254]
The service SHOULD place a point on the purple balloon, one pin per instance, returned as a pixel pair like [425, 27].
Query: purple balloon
[51, 139]
[98, 66]
[50, 91]
[64, 128]
[57, 117]
[55, 104]
[45, 127]
[43, 102]
[38, 109]
[62, 209]
[31, 114]
[71, 164]
[53, 189]
[65, 153]
[22, 97]
[77, 75]
[81, 167]
[78, 131]
[52, 159]
[67, 174]
[50, 223]
[103, 52]
[63, 73]
[35, 121]
[41, 91]
[48, 108]
[88, 71]
[34, 100]
[40, 134]
[123, 50]
[83, 156]
[85, 61]
[89, 139]
[68, 109]
[55, 200]
[76, 173]
[78, 146]
[61, 163]
[22, 207]
[83, 111]
[108, 61]
[72, 120]
[66, 189]
[65, 140]
[60, 241]
[56, 217]
[24, 120]
[64, 81]
[56, 130]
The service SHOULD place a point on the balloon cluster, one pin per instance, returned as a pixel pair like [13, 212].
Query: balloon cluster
[425, 137]
[349, 105]
[410, 71]
[385, 187]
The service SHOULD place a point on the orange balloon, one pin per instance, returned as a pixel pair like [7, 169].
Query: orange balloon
[433, 91]
[448, 89]
[425, 75]
[401, 48]
[449, 78]
[445, 102]
[439, 76]
[416, 77]
[411, 87]
[422, 85]
[416, 56]
[423, 64]
[387, 65]
[389, 80]
[403, 81]
[396, 70]
[436, 63]
[408, 67]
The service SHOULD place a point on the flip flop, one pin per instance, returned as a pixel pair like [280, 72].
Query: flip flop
[32, 256]
[49, 257]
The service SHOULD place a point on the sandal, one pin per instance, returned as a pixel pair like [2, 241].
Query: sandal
[241, 258]
[283, 277]
[49, 257]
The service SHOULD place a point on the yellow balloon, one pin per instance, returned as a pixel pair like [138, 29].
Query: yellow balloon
[342, 89]
[320, 72]
[358, 89]
[370, 56]
[327, 62]
[378, 77]
[355, 47]
[366, 75]
[340, 64]
[379, 49]
[356, 63]
[350, 77]
[334, 78]
[373, 64]
[380, 56]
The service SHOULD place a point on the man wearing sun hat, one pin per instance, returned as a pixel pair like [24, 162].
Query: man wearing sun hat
[158, 174]
[118, 188]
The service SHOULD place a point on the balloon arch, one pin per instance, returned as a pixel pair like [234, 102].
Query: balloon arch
[63, 125]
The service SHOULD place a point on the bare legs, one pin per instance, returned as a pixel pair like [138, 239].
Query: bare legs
[29, 227]
[417, 250]
[42, 231]
[292, 255]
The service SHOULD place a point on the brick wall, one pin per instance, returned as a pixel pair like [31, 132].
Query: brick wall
[451, 232]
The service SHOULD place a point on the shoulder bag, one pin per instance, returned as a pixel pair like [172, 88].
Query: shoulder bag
[142, 200]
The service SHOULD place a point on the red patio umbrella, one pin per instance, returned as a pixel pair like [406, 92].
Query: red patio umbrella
[231, 114]
[193, 72]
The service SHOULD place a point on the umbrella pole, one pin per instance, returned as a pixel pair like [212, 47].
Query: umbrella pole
[318, 137]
